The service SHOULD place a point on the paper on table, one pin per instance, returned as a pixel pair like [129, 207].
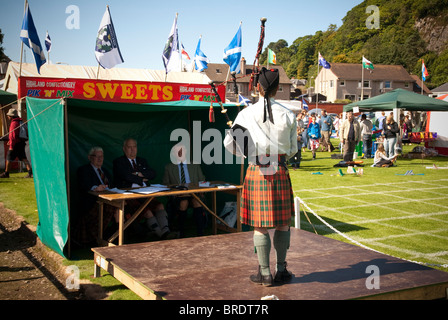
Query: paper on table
[119, 191]
[149, 190]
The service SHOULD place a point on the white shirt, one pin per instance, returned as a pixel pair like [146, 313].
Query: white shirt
[279, 137]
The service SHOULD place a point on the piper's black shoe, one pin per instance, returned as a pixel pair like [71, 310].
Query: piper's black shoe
[266, 281]
[283, 276]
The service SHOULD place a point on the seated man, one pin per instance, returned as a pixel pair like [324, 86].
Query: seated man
[92, 177]
[179, 172]
[131, 171]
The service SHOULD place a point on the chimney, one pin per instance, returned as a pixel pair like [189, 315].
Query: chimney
[243, 66]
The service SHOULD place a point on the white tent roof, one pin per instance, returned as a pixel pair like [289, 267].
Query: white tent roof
[86, 72]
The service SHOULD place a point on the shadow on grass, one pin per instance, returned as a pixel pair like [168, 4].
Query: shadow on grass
[310, 223]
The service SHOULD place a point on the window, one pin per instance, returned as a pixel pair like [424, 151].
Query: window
[387, 84]
[366, 84]
[331, 83]
[406, 84]
[342, 83]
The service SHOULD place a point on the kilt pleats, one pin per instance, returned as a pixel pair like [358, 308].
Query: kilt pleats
[267, 199]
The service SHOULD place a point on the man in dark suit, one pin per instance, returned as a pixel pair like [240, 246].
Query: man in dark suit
[180, 172]
[92, 177]
[131, 171]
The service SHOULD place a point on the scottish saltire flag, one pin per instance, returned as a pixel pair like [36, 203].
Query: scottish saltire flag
[107, 52]
[48, 42]
[171, 53]
[304, 104]
[323, 62]
[243, 101]
[200, 59]
[425, 73]
[366, 63]
[29, 37]
[232, 53]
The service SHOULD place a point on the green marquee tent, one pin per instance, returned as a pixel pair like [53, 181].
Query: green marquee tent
[399, 99]
[63, 131]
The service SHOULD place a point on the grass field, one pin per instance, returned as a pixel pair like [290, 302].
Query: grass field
[405, 216]
[402, 216]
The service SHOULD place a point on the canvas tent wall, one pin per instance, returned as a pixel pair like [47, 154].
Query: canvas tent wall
[61, 136]
[437, 122]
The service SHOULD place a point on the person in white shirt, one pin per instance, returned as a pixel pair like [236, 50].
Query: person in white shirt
[266, 133]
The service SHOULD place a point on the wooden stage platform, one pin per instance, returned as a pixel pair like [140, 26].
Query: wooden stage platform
[218, 268]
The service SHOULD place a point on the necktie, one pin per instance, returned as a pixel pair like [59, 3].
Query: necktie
[103, 177]
[134, 165]
[182, 173]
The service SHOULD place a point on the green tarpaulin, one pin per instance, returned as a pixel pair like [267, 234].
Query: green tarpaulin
[156, 127]
[6, 97]
[399, 99]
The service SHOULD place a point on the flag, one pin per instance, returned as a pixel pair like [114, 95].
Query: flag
[272, 57]
[29, 37]
[48, 42]
[304, 104]
[323, 62]
[232, 53]
[187, 64]
[243, 100]
[171, 53]
[425, 73]
[107, 52]
[366, 64]
[200, 59]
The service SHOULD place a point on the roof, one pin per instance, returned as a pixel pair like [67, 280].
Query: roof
[350, 71]
[221, 76]
[87, 72]
[442, 88]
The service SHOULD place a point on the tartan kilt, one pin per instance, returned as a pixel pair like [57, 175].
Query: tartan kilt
[267, 200]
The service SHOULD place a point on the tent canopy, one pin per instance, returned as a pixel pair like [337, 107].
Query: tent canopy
[7, 97]
[61, 137]
[399, 99]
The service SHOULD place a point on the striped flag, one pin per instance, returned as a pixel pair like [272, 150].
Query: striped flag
[107, 52]
[29, 37]
[425, 73]
[233, 52]
[200, 59]
[272, 57]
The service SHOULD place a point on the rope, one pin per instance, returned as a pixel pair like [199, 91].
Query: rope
[356, 242]
[25, 122]
[9, 104]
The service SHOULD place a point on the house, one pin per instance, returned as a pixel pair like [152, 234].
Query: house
[343, 81]
[219, 73]
[440, 91]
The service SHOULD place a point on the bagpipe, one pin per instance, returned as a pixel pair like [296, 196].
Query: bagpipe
[252, 83]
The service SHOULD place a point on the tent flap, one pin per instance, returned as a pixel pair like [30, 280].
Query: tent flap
[46, 138]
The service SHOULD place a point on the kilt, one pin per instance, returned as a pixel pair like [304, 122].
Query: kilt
[267, 200]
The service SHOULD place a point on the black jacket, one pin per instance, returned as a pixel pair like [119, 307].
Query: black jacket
[124, 173]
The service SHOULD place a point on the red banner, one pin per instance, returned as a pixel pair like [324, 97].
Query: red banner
[115, 90]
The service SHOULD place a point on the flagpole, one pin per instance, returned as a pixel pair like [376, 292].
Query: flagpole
[362, 81]
[317, 94]
[21, 46]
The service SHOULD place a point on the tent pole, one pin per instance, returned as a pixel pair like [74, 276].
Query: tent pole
[21, 45]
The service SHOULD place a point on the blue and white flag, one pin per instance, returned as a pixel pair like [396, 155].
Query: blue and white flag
[323, 62]
[107, 52]
[304, 104]
[200, 59]
[29, 37]
[172, 58]
[233, 52]
[48, 42]
[243, 101]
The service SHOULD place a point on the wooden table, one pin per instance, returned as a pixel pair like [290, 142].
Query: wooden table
[118, 200]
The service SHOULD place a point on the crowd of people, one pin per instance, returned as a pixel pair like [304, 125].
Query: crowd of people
[315, 130]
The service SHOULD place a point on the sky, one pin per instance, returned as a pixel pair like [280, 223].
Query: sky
[143, 27]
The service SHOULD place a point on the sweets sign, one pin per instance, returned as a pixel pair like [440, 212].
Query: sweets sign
[116, 91]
